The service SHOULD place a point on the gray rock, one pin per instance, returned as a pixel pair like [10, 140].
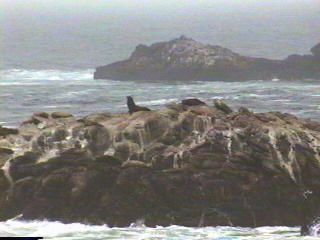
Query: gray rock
[316, 50]
[186, 59]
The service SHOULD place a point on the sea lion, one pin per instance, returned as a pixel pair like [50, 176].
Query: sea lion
[222, 106]
[192, 102]
[133, 107]
[244, 110]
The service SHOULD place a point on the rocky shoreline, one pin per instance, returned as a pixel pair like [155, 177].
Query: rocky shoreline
[186, 164]
[186, 59]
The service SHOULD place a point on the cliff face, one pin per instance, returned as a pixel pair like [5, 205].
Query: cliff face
[185, 59]
[188, 165]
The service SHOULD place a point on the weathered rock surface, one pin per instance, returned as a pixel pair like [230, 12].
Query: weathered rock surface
[185, 59]
[186, 165]
[7, 131]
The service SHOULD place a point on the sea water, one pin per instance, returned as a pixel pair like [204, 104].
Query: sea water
[77, 231]
[23, 92]
[48, 56]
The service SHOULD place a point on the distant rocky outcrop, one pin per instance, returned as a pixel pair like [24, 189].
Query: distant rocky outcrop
[192, 165]
[186, 59]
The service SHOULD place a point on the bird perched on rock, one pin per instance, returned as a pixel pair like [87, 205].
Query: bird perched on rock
[133, 107]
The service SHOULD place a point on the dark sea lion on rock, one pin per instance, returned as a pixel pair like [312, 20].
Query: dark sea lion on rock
[133, 107]
[192, 102]
[41, 114]
[61, 115]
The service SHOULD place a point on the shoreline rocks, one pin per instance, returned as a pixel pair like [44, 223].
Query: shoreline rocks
[192, 165]
[186, 59]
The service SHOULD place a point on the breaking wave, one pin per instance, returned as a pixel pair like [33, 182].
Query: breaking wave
[78, 231]
[31, 77]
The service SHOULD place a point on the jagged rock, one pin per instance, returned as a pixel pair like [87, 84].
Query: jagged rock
[186, 59]
[179, 165]
[61, 115]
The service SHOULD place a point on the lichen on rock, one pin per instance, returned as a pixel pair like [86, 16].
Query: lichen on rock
[184, 164]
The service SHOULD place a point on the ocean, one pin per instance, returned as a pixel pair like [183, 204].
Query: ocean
[48, 56]
[77, 231]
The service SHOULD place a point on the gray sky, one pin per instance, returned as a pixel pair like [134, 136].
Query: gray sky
[78, 4]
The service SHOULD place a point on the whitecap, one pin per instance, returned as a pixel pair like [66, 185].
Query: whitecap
[57, 106]
[24, 76]
[158, 101]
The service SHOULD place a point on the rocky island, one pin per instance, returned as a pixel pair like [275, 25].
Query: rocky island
[190, 163]
[186, 59]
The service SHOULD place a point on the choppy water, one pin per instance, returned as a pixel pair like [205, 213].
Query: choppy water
[23, 92]
[77, 231]
[48, 54]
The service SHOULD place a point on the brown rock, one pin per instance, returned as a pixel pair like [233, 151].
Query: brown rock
[134, 163]
[7, 131]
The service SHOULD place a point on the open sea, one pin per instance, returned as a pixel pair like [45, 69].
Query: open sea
[49, 52]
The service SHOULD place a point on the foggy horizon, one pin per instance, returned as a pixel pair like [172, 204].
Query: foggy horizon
[53, 5]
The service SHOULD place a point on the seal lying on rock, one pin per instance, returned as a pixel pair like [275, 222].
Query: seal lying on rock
[192, 102]
[133, 107]
[222, 106]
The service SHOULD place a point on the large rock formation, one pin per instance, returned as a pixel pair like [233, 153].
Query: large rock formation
[187, 165]
[185, 59]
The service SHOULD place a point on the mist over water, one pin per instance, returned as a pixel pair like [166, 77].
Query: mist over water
[68, 35]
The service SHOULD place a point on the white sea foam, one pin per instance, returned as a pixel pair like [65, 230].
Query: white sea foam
[73, 231]
[158, 101]
[21, 76]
